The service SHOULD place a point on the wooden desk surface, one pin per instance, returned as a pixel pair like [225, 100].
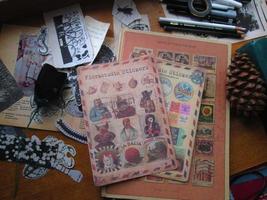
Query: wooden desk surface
[247, 144]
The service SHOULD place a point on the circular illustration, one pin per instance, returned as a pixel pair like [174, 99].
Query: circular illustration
[197, 77]
[133, 83]
[133, 156]
[183, 91]
[206, 111]
[166, 85]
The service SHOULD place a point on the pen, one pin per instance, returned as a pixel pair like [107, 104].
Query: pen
[210, 18]
[162, 24]
[219, 34]
[216, 6]
[221, 6]
[198, 24]
[230, 3]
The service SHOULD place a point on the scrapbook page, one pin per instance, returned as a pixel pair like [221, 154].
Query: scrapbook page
[21, 53]
[209, 174]
[126, 120]
[183, 88]
[24, 50]
[18, 52]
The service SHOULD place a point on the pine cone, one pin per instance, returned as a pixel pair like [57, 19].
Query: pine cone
[246, 90]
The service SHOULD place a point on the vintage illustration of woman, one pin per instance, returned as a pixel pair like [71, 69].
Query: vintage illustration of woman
[128, 132]
[152, 128]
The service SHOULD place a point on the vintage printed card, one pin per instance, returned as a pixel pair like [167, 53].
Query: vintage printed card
[209, 174]
[68, 38]
[182, 87]
[126, 120]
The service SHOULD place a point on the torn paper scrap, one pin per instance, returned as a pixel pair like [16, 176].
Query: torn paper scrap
[97, 31]
[125, 11]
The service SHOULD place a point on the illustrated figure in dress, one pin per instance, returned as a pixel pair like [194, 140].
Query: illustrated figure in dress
[99, 111]
[128, 132]
[104, 137]
[152, 128]
[146, 102]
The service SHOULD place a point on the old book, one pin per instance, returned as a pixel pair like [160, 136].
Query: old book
[183, 88]
[126, 120]
[209, 174]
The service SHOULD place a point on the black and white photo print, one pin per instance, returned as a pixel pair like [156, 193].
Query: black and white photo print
[67, 37]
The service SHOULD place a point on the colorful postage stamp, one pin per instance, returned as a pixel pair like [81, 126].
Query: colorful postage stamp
[138, 51]
[185, 109]
[204, 146]
[197, 77]
[183, 91]
[173, 118]
[166, 55]
[206, 114]
[205, 131]
[178, 136]
[203, 172]
[207, 62]
[182, 58]
[174, 107]
[210, 86]
[183, 119]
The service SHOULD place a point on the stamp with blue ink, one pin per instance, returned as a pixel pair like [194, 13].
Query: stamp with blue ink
[183, 91]
[197, 77]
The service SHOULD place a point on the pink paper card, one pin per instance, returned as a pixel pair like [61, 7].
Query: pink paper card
[209, 174]
[126, 120]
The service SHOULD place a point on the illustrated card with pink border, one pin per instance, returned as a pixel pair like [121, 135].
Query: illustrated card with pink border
[183, 88]
[126, 120]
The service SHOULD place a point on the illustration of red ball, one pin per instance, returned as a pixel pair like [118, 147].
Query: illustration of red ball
[132, 155]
